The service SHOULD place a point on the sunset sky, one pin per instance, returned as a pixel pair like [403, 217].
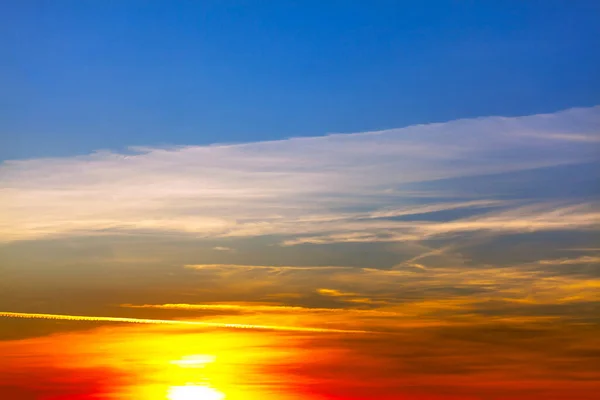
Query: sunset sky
[281, 200]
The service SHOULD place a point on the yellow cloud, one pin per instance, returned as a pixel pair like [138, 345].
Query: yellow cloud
[334, 293]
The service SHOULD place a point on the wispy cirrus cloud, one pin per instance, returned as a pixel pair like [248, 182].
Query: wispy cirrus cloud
[334, 293]
[270, 268]
[407, 294]
[572, 261]
[223, 248]
[252, 307]
[302, 186]
[531, 218]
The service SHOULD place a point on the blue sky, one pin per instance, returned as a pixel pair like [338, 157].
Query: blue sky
[78, 76]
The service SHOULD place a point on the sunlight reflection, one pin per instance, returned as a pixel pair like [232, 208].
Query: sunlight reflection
[192, 392]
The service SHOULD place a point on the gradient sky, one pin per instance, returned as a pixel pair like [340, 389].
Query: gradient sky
[180, 217]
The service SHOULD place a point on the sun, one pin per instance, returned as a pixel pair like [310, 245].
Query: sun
[192, 392]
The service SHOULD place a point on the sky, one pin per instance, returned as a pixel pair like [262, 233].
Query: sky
[83, 75]
[299, 200]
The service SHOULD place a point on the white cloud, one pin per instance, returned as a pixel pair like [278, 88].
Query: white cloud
[223, 248]
[268, 268]
[300, 186]
[540, 217]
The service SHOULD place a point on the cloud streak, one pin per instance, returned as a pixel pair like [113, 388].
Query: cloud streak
[408, 295]
[7, 314]
[298, 187]
[259, 308]
[533, 218]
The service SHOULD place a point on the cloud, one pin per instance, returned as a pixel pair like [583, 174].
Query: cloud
[334, 293]
[301, 186]
[205, 324]
[532, 218]
[249, 307]
[273, 268]
[571, 261]
[429, 293]
[223, 248]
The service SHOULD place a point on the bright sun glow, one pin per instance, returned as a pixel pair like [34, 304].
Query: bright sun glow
[191, 392]
[194, 361]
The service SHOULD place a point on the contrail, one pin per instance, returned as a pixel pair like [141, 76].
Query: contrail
[8, 314]
[260, 308]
